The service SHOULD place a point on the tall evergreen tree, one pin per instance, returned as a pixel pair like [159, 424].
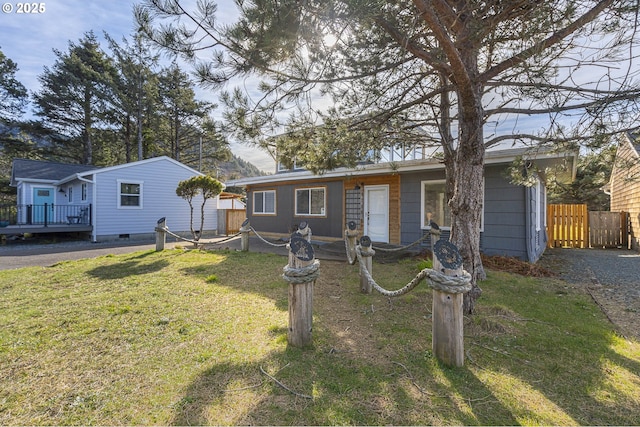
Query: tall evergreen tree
[76, 96]
[136, 88]
[182, 113]
[13, 94]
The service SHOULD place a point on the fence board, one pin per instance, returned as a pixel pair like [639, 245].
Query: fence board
[608, 229]
[235, 218]
[567, 226]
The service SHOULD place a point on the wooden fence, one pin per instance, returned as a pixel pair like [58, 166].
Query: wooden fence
[573, 226]
[608, 229]
[235, 218]
[567, 226]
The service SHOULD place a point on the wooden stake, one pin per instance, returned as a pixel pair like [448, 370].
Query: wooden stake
[447, 317]
[161, 235]
[300, 296]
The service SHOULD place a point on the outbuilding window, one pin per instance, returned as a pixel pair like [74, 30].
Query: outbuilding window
[129, 194]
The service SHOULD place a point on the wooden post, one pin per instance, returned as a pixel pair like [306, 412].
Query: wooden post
[352, 240]
[305, 231]
[301, 256]
[367, 259]
[161, 235]
[245, 228]
[447, 318]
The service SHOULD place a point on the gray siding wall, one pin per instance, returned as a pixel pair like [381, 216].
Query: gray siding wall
[159, 181]
[410, 209]
[504, 216]
[285, 221]
[504, 212]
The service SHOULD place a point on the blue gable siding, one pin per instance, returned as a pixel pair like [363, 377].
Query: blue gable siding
[159, 179]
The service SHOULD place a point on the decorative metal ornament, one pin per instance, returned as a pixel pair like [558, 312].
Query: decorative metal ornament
[448, 254]
[301, 249]
[365, 241]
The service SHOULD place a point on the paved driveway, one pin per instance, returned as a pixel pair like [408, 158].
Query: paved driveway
[17, 255]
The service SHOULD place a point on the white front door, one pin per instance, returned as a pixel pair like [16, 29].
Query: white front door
[376, 213]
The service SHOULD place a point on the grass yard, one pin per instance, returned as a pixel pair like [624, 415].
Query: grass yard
[193, 337]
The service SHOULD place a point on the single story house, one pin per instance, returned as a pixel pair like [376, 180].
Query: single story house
[393, 201]
[624, 184]
[110, 203]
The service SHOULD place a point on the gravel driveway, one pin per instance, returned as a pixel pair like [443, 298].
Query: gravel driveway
[611, 276]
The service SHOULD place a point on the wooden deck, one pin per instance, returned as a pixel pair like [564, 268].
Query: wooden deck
[51, 228]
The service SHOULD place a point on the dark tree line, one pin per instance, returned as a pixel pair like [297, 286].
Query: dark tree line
[105, 107]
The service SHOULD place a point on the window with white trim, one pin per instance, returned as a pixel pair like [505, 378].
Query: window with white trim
[434, 206]
[264, 202]
[129, 194]
[83, 190]
[70, 193]
[310, 201]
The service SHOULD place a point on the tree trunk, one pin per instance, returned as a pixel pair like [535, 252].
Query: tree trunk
[86, 134]
[468, 193]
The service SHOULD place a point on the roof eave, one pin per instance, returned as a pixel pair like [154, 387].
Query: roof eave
[491, 158]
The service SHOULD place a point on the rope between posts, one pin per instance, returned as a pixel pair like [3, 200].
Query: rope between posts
[401, 248]
[266, 241]
[301, 275]
[195, 242]
[435, 279]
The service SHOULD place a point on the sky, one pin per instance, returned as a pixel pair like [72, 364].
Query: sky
[28, 39]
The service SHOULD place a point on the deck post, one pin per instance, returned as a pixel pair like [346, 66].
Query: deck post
[161, 235]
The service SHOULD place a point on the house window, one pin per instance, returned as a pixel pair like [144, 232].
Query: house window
[310, 201]
[434, 204]
[264, 202]
[70, 193]
[129, 194]
[83, 190]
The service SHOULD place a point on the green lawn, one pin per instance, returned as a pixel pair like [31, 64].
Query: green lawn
[187, 337]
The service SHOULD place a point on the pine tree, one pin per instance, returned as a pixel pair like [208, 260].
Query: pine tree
[457, 73]
[76, 96]
[13, 94]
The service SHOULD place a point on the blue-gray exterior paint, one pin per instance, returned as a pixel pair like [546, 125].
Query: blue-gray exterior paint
[509, 219]
[509, 222]
[285, 220]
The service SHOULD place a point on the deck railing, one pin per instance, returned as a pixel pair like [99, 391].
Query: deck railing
[47, 214]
